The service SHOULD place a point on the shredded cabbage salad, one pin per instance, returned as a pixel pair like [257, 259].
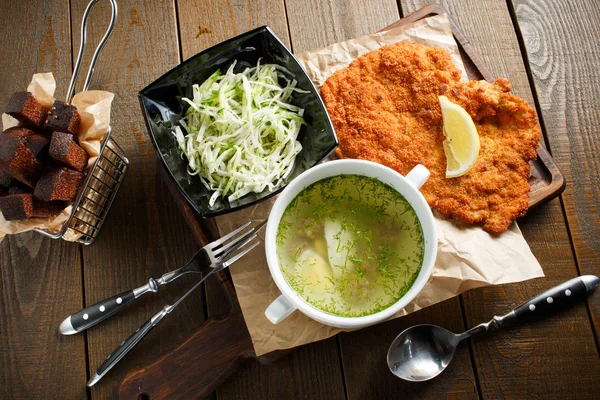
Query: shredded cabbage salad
[241, 130]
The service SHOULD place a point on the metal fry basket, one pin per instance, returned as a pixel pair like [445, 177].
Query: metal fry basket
[104, 178]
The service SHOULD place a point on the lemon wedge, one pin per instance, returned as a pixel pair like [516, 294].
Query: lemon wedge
[462, 141]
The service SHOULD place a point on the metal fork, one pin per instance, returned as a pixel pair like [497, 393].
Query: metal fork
[221, 262]
[204, 262]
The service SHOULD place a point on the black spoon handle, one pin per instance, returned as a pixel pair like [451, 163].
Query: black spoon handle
[559, 297]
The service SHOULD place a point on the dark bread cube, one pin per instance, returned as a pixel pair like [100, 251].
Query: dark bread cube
[5, 181]
[64, 149]
[19, 133]
[19, 188]
[19, 161]
[5, 178]
[23, 206]
[63, 117]
[45, 209]
[25, 108]
[17, 206]
[38, 144]
[58, 184]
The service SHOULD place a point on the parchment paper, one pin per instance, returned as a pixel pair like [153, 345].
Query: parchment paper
[467, 257]
[94, 108]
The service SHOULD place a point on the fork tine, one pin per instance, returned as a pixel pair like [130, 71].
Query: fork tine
[239, 255]
[220, 241]
[223, 249]
[238, 246]
[261, 225]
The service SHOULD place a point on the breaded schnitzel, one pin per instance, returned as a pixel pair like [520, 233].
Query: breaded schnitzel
[385, 108]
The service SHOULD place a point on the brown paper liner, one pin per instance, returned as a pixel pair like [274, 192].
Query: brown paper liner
[94, 108]
[467, 257]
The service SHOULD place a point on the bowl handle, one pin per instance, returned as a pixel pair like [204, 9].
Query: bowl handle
[418, 176]
[279, 309]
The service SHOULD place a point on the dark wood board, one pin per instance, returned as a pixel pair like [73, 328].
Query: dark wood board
[40, 278]
[557, 358]
[566, 84]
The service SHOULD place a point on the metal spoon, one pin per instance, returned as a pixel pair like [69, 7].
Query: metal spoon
[422, 352]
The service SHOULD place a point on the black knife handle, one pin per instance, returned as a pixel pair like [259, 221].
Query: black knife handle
[126, 346]
[559, 297]
[96, 313]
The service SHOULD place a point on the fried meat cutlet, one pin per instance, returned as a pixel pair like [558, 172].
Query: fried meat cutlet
[385, 108]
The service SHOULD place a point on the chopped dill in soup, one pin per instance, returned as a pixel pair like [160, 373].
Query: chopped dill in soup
[350, 245]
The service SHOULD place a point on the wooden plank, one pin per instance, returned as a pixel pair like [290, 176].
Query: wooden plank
[562, 60]
[144, 235]
[203, 24]
[40, 278]
[551, 358]
[364, 352]
[367, 375]
[315, 24]
[41, 285]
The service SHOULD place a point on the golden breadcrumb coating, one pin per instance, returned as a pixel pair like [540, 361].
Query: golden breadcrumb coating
[385, 108]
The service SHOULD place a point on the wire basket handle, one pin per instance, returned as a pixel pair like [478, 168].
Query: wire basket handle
[113, 20]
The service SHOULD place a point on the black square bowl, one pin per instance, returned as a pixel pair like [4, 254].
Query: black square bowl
[163, 108]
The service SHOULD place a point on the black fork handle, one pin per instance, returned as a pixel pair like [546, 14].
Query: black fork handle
[96, 313]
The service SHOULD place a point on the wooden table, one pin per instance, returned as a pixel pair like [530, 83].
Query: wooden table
[548, 49]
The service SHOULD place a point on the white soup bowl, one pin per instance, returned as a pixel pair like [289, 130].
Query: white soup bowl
[408, 186]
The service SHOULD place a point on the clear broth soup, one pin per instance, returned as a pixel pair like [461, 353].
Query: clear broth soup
[350, 245]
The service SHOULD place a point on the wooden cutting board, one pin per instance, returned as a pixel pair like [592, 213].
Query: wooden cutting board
[222, 343]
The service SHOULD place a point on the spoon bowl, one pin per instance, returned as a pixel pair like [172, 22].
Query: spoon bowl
[421, 352]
